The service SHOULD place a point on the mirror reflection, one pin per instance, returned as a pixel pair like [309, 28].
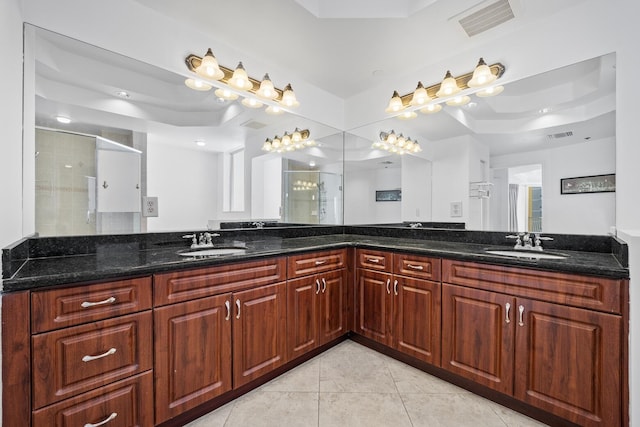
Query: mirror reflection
[496, 163]
[121, 147]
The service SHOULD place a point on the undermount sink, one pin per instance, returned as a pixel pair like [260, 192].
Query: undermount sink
[524, 254]
[213, 252]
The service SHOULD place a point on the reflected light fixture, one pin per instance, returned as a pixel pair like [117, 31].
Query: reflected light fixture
[232, 84]
[197, 84]
[429, 99]
[296, 140]
[274, 110]
[398, 144]
[63, 120]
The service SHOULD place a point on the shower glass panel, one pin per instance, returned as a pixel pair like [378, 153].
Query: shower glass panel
[312, 197]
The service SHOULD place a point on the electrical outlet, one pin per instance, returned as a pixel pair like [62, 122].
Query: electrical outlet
[149, 206]
[456, 209]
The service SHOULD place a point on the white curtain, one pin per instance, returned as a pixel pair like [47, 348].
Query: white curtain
[513, 207]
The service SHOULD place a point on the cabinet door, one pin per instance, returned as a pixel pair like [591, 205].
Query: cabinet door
[568, 362]
[193, 354]
[259, 332]
[333, 294]
[302, 315]
[374, 305]
[478, 336]
[417, 318]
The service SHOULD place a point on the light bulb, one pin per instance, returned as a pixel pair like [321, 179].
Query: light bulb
[226, 94]
[209, 67]
[420, 96]
[395, 103]
[266, 90]
[448, 87]
[240, 79]
[482, 75]
[289, 97]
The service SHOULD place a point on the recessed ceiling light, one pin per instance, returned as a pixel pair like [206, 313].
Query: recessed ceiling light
[122, 94]
[312, 163]
[544, 110]
[62, 119]
[200, 143]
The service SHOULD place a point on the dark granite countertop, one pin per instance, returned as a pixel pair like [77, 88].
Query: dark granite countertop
[114, 259]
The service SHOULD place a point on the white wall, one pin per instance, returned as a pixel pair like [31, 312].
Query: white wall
[186, 190]
[360, 206]
[416, 188]
[451, 173]
[571, 213]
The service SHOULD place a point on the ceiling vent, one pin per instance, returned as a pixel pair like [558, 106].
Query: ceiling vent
[486, 18]
[560, 135]
[253, 124]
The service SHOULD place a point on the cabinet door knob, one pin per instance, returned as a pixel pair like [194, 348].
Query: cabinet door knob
[109, 352]
[521, 318]
[507, 309]
[238, 307]
[395, 287]
[324, 285]
[103, 422]
[388, 288]
[317, 286]
[87, 304]
[227, 305]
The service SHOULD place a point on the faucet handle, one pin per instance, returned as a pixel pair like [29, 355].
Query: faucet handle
[193, 237]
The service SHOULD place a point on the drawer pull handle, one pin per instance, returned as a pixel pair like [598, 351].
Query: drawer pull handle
[109, 352]
[415, 267]
[373, 260]
[317, 286]
[103, 422]
[324, 285]
[507, 308]
[88, 304]
[227, 305]
[521, 311]
[238, 307]
[388, 283]
[324, 261]
[395, 287]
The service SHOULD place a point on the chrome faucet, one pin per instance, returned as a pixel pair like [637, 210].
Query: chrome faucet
[415, 225]
[258, 224]
[528, 241]
[203, 240]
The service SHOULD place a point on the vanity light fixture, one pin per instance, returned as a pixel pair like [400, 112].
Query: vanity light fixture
[232, 84]
[274, 110]
[296, 140]
[399, 144]
[452, 90]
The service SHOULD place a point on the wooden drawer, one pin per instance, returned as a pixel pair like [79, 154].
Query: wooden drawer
[186, 285]
[71, 361]
[374, 260]
[131, 401]
[420, 267]
[563, 288]
[316, 262]
[57, 308]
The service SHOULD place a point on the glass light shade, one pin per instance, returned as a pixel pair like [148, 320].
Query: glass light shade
[276, 143]
[289, 97]
[286, 139]
[458, 101]
[395, 103]
[482, 75]
[197, 84]
[274, 110]
[409, 145]
[391, 138]
[404, 142]
[240, 79]
[408, 115]
[296, 136]
[266, 90]
[267, 145]
[490, 91]
[431, 108]
[416, 148]
[251, 103]
[448, 87]
[401, 141]
[226, 94]
[310, 143]
[209, 67]
[420, 95]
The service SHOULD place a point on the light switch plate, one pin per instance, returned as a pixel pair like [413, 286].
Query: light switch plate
[456, 209]
[149, 206]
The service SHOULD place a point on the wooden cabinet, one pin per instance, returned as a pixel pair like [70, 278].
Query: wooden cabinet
[559, 358]
[397, 305]
[316, 302]
[193, 354]
[91, 350]
[216, 329]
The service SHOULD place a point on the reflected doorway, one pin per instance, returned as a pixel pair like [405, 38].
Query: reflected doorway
[517, 199]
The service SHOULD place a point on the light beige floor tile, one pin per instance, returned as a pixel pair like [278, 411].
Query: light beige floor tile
[303, 378]
[216, 418]
[411, 380]
[450, 410]
[513, 418]
[274, 409]
[355, 369]
[362, 409]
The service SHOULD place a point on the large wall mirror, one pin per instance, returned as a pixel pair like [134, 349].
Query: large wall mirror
[496, 164]
[142, 152]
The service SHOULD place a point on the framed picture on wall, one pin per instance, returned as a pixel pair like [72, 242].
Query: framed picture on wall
[588, 184]
[388, 195]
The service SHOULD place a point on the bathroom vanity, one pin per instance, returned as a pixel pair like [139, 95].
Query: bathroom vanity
[147, 337]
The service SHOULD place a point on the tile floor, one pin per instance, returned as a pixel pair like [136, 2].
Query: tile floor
[351, 385]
